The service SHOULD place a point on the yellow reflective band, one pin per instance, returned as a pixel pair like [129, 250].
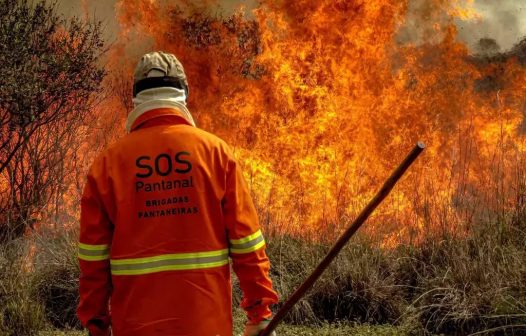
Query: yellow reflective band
[169, 268]
[93, 252]
[246, 239]
[248, 249]
[247, 244]
[176, 256]
[169, 262]
[94, 247]
[93, 258]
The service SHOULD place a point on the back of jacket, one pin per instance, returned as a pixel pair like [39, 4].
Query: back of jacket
[162, 212]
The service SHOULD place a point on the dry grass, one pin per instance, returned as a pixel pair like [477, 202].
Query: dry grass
[287, 330]
[446, 285]
[20, 314]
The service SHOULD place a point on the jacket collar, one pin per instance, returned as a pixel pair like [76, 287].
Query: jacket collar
[160, 116]
[165, 98]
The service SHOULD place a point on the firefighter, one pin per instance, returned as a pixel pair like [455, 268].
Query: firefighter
[163, 212]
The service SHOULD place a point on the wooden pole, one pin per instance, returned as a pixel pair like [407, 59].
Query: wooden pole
[335, 250]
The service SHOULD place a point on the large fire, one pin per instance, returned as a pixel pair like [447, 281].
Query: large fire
[321, 99]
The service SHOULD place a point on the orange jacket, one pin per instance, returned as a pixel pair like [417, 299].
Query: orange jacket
[163, 210]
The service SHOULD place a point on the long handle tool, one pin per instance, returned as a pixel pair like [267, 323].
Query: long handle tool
[335, 250]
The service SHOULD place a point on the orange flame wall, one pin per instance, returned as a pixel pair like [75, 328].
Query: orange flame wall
[321, 100]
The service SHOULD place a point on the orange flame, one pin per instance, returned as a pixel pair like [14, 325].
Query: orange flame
[321, 99]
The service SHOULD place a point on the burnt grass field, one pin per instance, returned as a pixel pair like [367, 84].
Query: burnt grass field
[446, 285]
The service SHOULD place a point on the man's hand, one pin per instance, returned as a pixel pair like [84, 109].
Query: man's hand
[255, 329]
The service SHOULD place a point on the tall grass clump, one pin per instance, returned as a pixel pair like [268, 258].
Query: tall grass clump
[20, 313]
[445, 284]
[359, 286]
[56, 276]
[38, 284]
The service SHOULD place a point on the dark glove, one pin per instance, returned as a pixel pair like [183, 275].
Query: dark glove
[99, 327]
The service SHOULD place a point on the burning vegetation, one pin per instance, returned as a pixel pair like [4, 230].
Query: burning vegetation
[319, 99]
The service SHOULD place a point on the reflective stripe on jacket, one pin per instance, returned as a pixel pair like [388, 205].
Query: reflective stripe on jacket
[163, 212]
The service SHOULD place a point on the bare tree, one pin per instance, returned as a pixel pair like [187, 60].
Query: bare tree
[49, 73]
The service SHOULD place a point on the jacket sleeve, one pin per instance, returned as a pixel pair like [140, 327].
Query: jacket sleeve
[247, 247]
[95, 276]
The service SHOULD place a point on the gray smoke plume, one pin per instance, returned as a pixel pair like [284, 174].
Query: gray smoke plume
[503, 21]
[502, 24]
[96, 10]
[105, 11]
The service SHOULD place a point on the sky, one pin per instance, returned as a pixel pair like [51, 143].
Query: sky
[502, 20]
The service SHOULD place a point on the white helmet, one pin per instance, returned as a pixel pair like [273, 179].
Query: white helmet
[159, 69]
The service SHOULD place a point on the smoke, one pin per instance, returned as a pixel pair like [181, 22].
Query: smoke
[103, 11]
[498, 25]
[502, 21]
[421, 20]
